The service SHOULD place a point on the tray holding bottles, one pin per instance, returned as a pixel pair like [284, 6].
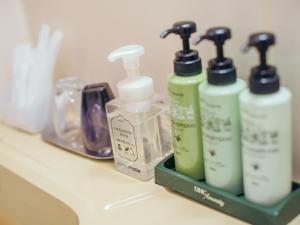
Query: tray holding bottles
[236, 206]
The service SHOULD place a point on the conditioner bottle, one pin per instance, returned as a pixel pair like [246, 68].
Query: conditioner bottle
[220, 116]
[266, 130]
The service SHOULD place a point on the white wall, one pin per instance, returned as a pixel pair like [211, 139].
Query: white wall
[95, 27]
[14, 30]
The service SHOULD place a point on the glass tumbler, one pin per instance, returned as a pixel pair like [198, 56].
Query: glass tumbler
[67, 110]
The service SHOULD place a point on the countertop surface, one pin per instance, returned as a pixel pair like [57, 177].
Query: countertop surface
[96, 191]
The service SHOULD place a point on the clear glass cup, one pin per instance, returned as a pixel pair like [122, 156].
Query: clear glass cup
[67, 109]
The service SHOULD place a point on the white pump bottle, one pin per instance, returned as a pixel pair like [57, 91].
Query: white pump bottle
[267, 130]
[135, 91]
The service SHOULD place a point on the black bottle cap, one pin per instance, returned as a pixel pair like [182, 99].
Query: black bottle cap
[264, 78]
[221, 70]
[187, 61]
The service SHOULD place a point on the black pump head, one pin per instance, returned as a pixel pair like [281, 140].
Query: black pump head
[264, 78]
[261, 41]
[221, 70]
[184, 29]
[187, 61]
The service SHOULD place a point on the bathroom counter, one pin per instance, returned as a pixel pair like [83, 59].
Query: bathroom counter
[96, 192]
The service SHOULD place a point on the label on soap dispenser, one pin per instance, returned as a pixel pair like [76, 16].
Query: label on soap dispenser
[183, 125]
[266, 143]
[260, 144]
[221, 140]
[124, 138]
[186, 125]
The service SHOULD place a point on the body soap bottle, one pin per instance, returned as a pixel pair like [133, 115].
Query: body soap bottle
[133, 118]
[266, 125]
[185, 108]
[220, 116]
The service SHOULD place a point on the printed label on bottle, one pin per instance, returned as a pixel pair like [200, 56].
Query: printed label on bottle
[221, 138]
[124, 138]
[182, 119]
[186, 130]
[266, 145]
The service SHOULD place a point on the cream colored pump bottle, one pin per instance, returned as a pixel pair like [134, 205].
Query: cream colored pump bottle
[266, 129]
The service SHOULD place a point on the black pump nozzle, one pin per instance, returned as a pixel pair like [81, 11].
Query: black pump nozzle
[220, 70]
[184, 29]
[263, 78]
[261, 41]
[187, 61]
[218, 35]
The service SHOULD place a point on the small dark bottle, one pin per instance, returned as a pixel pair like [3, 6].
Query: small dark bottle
[94, 128]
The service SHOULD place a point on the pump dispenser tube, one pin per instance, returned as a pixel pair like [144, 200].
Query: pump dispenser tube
[139, 139]
[266, 125]
[219, 101]
[185, 107]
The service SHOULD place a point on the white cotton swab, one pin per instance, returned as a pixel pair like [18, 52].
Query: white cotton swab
[22, 63]
[32, 84]
[43, 39]
[54, 47]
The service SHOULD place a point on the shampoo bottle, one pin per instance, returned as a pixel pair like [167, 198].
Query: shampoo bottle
[185, 107]
[266, 126]
[220, 116]
[133, 118]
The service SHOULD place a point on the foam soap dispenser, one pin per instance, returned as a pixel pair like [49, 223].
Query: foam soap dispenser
[134, 117]
[220, 116]
[185, 108]
[266, 125]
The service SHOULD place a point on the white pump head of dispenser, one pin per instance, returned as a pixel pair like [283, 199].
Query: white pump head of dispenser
[136, 91]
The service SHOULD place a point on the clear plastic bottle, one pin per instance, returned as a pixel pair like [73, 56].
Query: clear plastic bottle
[137, 138]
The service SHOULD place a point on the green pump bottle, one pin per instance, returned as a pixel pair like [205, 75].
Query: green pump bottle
[185, 108]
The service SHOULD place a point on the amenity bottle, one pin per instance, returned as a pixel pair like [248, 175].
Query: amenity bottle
[220, 116]
[185, 107]
[266, 130]
[133, 118]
